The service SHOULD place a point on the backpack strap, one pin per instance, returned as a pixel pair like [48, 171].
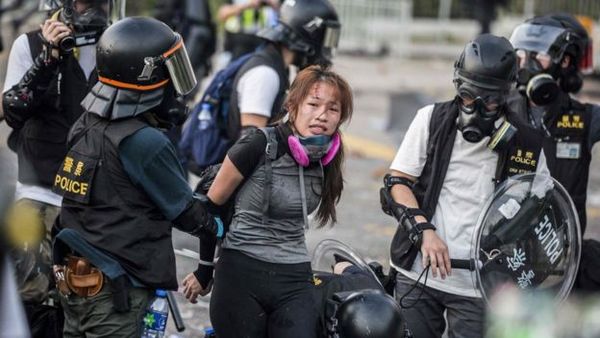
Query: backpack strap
[270, 155]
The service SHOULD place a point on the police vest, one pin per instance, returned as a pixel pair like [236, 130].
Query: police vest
[520, 156]
[102, 204]
[42, 142]
[268, 56]
[566, 145]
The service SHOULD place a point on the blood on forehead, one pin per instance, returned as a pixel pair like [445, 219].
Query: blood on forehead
[321, 89]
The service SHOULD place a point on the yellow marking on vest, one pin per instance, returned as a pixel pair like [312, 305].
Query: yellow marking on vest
[68, 164]
[69, 185]
[78, 169]
[527, 159]
[567, 122]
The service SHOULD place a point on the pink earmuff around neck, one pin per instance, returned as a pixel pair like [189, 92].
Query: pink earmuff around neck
[299, 154]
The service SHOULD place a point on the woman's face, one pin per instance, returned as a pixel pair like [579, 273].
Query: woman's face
[319, 113]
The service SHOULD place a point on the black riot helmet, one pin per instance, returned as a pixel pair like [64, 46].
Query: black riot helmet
[143, 54]
[141, 64]
[308, 27]
[551, 36]
[366, 313]
[488, 62]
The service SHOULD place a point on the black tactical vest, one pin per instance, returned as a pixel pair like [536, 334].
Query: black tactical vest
[269, 56]
[107, 209]
[518, 157]
[42, 142]
[566, 146]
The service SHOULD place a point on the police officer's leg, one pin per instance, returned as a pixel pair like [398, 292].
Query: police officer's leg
[95, 316]
[425, 315]
[466, 316]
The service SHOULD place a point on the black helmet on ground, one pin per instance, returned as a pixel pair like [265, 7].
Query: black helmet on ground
[141, 64]
[552, 36]
[366, 314]
[308, 27]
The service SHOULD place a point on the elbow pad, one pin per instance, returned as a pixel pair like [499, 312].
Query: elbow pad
[18, 100]
[197, 220]
[403, 214]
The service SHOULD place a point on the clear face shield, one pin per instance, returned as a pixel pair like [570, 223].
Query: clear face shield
[539, 39]
[331, 39]
[180, 67]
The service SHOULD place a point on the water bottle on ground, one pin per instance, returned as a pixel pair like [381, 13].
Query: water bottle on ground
[155, 319]
[205, 116]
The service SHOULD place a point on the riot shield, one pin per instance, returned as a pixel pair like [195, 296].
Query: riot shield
[323, 257]
[527, 236]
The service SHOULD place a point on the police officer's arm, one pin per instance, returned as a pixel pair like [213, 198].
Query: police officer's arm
[432, 246]
[594, 132]
[28, 77]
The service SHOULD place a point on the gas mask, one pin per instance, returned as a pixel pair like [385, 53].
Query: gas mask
[87, 26]
[477, 120]
[172, 110]
[535, 82]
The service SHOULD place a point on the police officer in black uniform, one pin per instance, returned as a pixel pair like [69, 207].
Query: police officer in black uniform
[552, 50]
[123, 188]
[446, 167]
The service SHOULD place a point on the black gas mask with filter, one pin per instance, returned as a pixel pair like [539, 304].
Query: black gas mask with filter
[548, 40]
[483, 75]
[479, 117]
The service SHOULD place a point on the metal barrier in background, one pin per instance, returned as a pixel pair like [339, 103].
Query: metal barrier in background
[374, 26]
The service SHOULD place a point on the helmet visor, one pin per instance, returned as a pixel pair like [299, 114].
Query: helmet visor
[537, 38]
[331, 39]
[180, 68]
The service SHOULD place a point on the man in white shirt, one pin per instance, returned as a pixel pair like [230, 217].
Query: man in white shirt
[456, 152]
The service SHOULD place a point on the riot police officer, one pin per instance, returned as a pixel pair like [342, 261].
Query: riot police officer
[123, 188]
[457, 150]
[49, 72]
[552, 51]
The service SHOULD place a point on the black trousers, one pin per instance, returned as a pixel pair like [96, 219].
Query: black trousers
[252, 298]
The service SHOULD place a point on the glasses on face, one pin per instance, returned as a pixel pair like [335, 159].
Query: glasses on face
[492, 100]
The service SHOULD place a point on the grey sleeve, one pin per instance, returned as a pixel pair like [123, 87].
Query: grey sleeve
[594, 132]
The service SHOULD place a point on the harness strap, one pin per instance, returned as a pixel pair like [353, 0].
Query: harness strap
[270, 155]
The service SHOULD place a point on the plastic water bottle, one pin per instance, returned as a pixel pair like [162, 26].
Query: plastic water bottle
[205, 116]
[155, 319]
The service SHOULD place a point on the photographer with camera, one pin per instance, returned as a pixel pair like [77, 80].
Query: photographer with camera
[50, 70]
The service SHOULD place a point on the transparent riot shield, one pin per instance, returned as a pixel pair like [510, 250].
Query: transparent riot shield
[323, 257]
[528, 236]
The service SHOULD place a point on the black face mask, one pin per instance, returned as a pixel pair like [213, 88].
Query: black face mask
[172, 110]
[536, 83]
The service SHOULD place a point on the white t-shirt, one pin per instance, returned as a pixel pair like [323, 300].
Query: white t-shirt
[257, 90]
[19, 62]
[466, 187]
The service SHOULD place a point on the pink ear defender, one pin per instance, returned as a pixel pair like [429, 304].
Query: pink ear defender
[299, 154]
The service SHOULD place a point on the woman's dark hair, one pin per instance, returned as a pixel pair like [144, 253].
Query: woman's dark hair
[333, 183]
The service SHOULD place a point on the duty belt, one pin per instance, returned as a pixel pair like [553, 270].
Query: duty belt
[79, 276]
